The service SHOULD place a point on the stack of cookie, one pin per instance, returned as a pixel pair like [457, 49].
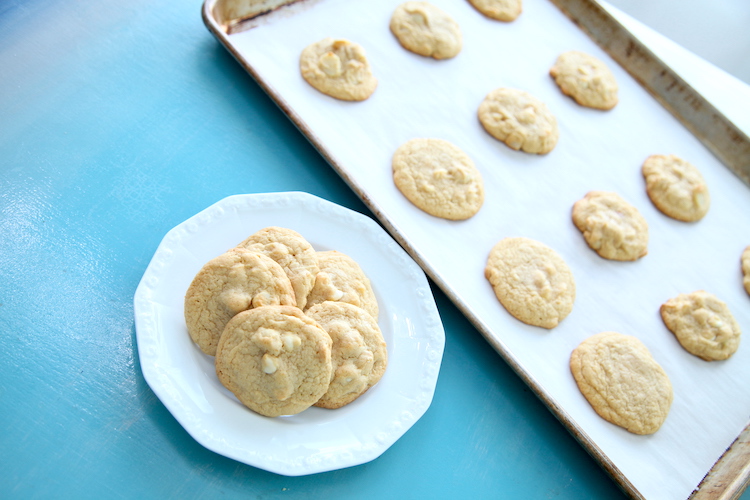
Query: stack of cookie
[289, 327]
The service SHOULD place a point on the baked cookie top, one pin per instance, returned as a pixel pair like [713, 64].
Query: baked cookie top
[276, 360]
[439, 178]
[293, 253]
[338, 68]
[586, 79]
[531, 281]
[622, 382]
[424, 29]
[502, 10]
[340, 279]
[702, 324]
[359, 354]
[520, 120]
[611, 226]
[745, 264]
[237, 280]
[676, 187]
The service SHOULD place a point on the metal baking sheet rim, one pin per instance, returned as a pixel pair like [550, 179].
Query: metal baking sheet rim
[730, 475]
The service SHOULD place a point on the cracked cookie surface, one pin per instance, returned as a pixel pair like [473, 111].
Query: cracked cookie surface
[341, 279]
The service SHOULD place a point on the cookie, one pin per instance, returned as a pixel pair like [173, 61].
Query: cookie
[745, 264]
[520, 120]
[438, 178]
[702, 324]
[275, 360]
[676, 187]
[502, 10]
[424, 29]
[611, 226]
[237, 280]
[293, 252]
[338, 68]
[342, 280]
[531, 281]
[622, 382]
[586, 79]
[359, 354]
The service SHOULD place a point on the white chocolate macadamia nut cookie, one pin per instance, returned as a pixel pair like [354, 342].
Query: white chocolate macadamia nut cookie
[702, 324]
[531, 281]
[520, 120]
[276, 360]
[338, 68]
[237, 280]
[501, 10]
[622, 382]
[676, 187]
[422, 28]
[439, 178]
[611, 226]
[340, 279]
[586, 79]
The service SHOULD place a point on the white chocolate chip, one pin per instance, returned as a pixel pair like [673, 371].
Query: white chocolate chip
[269, 364]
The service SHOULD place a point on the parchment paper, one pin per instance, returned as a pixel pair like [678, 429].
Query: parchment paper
[530, 195]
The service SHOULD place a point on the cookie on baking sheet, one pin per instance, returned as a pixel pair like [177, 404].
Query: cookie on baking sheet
[340, 279]
[237, 280]
[276, 360]
[359, 354]
[293, 252]
[702, 324]
[502, 10]
[745, 264]
[586, 79]
[520, 120]
[676, 187]
[424, 29]
[531, 281]
[622, 382]
[611, 226]
[439, 178]
[338, 68]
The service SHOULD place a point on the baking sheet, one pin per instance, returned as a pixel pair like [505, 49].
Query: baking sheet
[529, 195]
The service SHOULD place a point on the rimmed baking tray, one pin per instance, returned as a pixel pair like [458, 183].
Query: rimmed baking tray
[531, 196]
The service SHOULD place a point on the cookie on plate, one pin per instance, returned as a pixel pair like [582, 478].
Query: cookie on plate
[439, 178]
[424, 29]
[520, 120]
[358, 355]
[276, 360]
[745, 264]
[531, 281]
[338, 68]
[611, 226]
[237, 280]
[676, 187]
[340, 279]
[502, 10]
[293, 253]
[622, 382]
[702, 324]
[586, 79]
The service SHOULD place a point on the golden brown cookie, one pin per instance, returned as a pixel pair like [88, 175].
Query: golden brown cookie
[745, 264]
[293, 253]
[611, 226]
[359, 354]
[338, 68]
[676, 187]
[520, 120]
[422, 28]
[276, 360]
[702, 324]
[237, 280]
[586, 79]
[502, 10]
[342, 280]
[439, 178]
[531, 281]
[622, 381]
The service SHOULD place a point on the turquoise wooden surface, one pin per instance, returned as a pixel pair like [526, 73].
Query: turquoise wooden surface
[119, 120]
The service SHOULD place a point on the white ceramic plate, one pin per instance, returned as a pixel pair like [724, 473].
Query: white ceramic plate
[315, 440]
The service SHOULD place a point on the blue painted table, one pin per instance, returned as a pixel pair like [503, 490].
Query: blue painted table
[119, 120]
